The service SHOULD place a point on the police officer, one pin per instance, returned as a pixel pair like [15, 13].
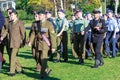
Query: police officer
[16, 36]
[111, 35]
[97, 25]
[45, 34]
[79, 24]
[62, 36]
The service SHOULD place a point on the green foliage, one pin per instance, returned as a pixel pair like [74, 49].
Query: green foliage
[86, 7]
[5, 13]
[23, 15]
[89, 5]
[68, 14]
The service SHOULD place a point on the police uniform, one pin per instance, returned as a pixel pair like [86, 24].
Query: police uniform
[97, 37]
[112, 27]
[62, 40]
[47, 28]
[79, 46]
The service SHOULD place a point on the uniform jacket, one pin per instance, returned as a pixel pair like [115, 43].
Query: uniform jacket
[49, 33]
[17, 33]
[2, 20]
[97, 35]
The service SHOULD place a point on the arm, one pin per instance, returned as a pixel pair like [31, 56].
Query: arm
[2, 20]
[65, 24]
[5, 30]
[87, 28]
[22, 30]
[52, 37]
[31, 35]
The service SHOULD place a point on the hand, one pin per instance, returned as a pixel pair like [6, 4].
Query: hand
[53, 50]
[82, 33]
[114, 36]
[58, 35]
[1, 38]
[97, 28]
[29, 44]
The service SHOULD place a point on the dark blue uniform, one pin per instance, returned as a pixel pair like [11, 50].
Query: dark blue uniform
[2, 20]
[97, 36]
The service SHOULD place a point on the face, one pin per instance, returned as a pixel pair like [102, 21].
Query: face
[9, 12]
[105, 17]
[13, 16]
[36, 17]
[89, 16]
[96, 15]
[61, 15]
[79, 14]
[41, 17]
[73, 17]
[110, 14]
[48, 15]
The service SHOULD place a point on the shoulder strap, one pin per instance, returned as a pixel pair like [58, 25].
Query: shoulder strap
[38, 26]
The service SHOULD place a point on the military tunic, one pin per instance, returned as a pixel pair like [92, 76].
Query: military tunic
[48, 30]
[16, 36]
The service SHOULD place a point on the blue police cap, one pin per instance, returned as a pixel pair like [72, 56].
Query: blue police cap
[87, 13]
[109, 11]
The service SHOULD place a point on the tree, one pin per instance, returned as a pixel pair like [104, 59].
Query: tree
[36, 2]
[89, 5]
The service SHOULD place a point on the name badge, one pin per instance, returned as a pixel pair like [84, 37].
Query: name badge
[44, 29]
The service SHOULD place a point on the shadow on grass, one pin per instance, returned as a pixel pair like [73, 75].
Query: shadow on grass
[77, 63]
[36, 76]
[25, 55]
[29, 68]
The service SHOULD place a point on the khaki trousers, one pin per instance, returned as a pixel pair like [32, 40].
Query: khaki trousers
[14, 65]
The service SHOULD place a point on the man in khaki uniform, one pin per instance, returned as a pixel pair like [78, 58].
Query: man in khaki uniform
[16, 35]
[43, 29]
[35, 52]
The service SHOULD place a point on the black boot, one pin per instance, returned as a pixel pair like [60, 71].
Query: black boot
[81, 61]
[101, 62]
[96, 63]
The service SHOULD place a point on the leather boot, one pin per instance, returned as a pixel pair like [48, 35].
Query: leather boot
[101, 62]
[96, 64]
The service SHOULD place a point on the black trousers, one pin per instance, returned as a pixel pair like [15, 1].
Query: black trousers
[97, 48]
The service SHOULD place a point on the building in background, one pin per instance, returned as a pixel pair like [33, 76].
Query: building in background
[5, 4]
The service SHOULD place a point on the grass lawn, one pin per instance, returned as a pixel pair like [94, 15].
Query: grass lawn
[64, 71]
